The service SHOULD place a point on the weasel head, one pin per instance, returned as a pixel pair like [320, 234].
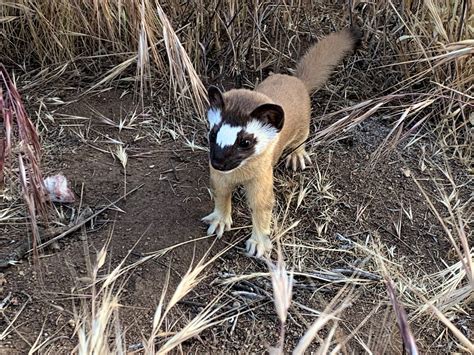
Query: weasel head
[239, 132]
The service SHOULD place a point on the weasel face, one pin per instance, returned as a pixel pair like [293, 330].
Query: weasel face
[230, 146]
[235, 137]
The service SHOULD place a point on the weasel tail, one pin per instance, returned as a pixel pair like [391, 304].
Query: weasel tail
[318, 63]
[250, 129]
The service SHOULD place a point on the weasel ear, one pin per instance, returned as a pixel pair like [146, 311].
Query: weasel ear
[270, 114]
[216, 100]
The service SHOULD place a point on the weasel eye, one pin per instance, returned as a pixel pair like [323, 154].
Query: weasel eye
[244, 143]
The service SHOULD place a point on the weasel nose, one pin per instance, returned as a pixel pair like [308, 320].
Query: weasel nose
[218, 159]
[218, 165]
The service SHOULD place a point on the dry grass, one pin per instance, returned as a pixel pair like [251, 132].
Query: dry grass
[99, 33]
[19, 136]
[416, 70]
[431, 43]
[98, 320]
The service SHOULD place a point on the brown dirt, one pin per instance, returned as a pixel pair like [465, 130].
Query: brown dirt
[164, 211]
[167, 209]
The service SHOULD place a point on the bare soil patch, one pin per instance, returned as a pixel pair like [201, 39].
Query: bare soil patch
[164, 211]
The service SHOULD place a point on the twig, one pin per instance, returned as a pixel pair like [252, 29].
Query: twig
[10, 324]
[358, 273]
[407, 336]
[24, 248]
[21, 250]
[77, 226]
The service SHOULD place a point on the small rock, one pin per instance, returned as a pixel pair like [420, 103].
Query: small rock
[55, 246]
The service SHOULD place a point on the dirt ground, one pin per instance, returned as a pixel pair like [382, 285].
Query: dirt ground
[164, 210]
[363, 201]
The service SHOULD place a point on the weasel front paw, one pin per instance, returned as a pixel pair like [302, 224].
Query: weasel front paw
[258, 246]
[218, 223]
[298, 158]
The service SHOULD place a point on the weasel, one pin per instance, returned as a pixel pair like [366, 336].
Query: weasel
[249, 131]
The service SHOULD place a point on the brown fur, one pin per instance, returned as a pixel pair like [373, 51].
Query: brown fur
[256, 173]
[290, 93]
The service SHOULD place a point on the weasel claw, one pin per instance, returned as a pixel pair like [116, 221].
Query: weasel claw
[258, 246]
[298, 158]
[218, 223]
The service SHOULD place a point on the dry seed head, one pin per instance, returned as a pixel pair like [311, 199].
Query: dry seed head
[282, 283]
[122, 155]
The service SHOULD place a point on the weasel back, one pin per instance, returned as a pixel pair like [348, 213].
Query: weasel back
[291, 94]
